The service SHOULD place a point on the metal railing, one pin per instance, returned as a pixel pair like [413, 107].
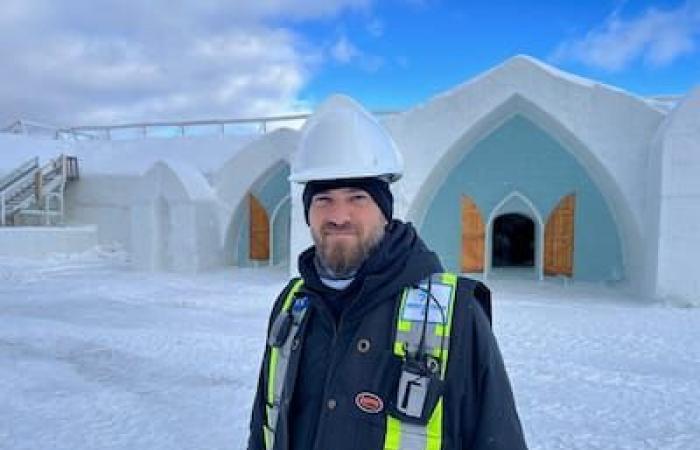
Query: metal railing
[15, 187]
[30, 128]
[30, 184]
[180, 128]
[140, 130]
[20, 172]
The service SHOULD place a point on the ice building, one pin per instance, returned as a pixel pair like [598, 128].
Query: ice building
[523, 171]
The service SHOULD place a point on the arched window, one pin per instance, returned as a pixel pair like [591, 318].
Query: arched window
[259, 230]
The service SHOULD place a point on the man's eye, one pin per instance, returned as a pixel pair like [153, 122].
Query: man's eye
[359, 198]
[321, 200]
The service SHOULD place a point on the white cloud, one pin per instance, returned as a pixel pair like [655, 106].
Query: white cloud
[83, 62]
[657, 37]
[344, 51]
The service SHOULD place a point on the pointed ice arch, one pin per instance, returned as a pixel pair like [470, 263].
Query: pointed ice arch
[261, 169]
[516, 203]
[583, 116]
[518, 152]
[174, 221]
[269, 192]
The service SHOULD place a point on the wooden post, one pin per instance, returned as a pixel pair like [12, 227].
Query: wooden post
[38, 182]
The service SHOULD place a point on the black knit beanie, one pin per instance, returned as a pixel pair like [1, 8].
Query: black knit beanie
[377, 188]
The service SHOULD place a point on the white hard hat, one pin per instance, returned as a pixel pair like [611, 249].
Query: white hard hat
[342, 140]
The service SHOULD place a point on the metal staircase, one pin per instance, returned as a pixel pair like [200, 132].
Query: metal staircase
[33, 190]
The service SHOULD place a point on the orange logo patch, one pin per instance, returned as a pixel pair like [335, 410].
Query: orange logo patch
[369, 403]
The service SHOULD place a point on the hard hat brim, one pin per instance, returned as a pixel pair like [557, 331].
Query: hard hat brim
[313, 175]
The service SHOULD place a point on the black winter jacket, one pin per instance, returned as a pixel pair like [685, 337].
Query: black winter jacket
[318, 411]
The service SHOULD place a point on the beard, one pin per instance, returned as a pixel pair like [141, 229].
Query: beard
[342, 257]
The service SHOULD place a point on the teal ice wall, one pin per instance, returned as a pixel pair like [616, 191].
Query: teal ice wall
[269, 192]
[521, 156]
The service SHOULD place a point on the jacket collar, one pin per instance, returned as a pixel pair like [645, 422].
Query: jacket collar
[401, 259]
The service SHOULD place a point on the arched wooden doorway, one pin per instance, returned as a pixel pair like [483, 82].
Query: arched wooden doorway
[559, 238]
[472, 259]
[259, 230]
[513, 241]
[516, 204]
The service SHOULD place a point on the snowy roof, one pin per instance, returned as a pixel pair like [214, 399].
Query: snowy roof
[529, 61]
[123, 157]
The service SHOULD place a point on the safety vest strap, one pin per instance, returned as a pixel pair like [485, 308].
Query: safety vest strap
[281, 339]
[423, 325]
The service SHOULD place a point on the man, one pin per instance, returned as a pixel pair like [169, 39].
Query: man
[374, 347]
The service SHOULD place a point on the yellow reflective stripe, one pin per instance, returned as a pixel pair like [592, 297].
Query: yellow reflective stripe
[450, 279]
[274, 351]
[436, 353]
[290, 296]
[272, 369]
[404, 325]
[269, 437]
[271, 375]
[441, 330]
[392, 438]
[434, 429]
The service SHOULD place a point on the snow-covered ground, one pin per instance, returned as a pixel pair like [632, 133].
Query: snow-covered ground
[95, 356]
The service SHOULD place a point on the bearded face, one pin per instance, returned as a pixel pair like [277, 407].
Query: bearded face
[341, 250]
[346, 225]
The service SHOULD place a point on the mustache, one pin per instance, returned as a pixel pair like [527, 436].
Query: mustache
[330, 227]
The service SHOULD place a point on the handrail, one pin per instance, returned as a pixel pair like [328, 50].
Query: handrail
[19, 172]
[142, 128]
[38, 182]
[22, 180]
[19, 182]
[187, 123]
[28, 127]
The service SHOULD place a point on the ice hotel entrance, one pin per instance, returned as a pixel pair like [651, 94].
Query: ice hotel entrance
[515, 242]
[518, 203]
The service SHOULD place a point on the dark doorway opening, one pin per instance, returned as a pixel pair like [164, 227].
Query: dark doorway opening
[513, 241]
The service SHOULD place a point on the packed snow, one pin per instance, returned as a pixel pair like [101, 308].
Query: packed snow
[94, 355]
[133, 157]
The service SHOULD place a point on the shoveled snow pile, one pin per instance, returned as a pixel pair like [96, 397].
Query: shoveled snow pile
[95, 356]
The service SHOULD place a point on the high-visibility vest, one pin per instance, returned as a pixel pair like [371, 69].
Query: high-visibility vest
[278, 363]
[425, 314]
[443, 286]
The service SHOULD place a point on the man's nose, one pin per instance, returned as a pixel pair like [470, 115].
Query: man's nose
[339, 213]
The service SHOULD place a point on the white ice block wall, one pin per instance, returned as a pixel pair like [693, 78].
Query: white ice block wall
[678, 204]
[40, 242]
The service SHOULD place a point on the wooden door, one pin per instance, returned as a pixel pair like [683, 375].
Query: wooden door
[559, 238]
[259, 230]
[472, 237]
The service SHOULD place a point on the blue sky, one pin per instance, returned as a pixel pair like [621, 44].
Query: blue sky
[405, 52]
[115, 61]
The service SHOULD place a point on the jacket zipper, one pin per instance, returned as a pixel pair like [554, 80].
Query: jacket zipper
[332, 366]
[329, 376]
